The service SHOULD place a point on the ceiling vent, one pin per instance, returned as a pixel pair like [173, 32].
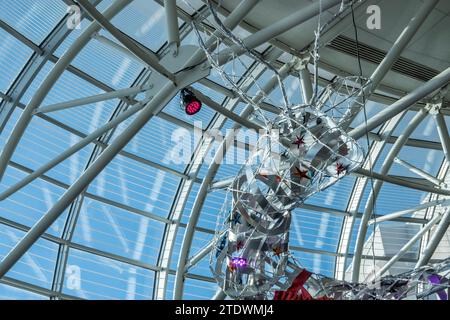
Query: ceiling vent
[404, 66]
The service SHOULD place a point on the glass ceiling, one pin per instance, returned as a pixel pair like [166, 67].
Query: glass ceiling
[113, 242]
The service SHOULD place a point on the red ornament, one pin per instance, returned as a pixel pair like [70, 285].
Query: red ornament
[296, 291]
[299, 141]
[301, 173]
[277, 251]
[340, 168]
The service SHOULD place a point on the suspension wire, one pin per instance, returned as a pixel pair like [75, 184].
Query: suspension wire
[316, 56]
[253, 53]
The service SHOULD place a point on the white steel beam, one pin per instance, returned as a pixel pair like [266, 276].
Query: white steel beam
[418, 171]
[406, 247]
[400, 43]
[443, 134]
[390, 216]
[173, 34]
[403, 104]
[435, 240]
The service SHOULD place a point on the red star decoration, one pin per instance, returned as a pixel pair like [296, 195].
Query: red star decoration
[277, 251]
[340, 168]
[299, 141]
[231, 267]
[301, 173]
[278, 179]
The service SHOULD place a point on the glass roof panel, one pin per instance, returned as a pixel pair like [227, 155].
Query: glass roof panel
[91, 276]
[8, 292]
[336, 196]
[13, 57]
[315, 230]
[114, 230]
[37, 265]
[315, 262]
[137, 185]
[144, 21]
[198, 290]
[29, 204]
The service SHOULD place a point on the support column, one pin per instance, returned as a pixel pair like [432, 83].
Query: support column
[305, 80]
[443, 134]
[173, 34]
